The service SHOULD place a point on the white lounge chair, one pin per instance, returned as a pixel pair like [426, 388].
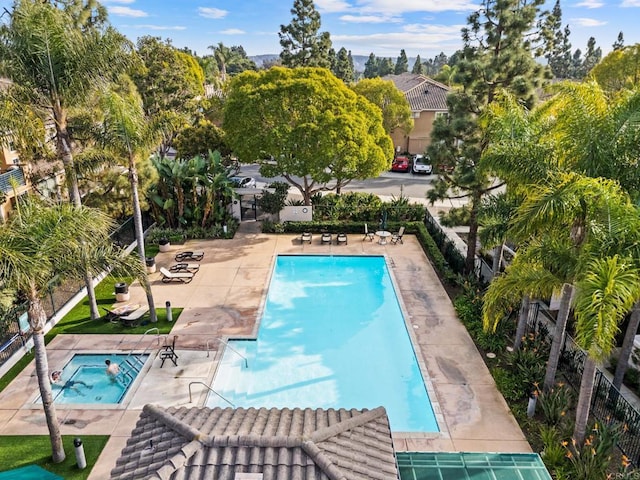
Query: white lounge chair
[167, 276]
[184, 267]
[131, 319]
[189, 255]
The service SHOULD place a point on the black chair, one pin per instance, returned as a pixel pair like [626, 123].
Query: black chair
[326, 238]
[169, 352]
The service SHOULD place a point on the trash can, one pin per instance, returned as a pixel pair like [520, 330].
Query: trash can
[151, 264]
[122, 292]
[164, 245]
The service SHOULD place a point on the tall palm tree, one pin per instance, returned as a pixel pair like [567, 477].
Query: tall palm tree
[128, 137]
[604, 296]
[55, 62]
[41, 242]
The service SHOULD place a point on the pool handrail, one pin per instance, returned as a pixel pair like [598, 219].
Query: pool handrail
[210, 389]
[246, 362]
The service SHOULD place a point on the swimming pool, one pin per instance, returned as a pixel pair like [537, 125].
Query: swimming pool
[332, 335]
[84, 379]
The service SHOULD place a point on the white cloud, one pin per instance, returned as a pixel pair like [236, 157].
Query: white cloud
[434, 29]
[630, 3]
[587, 22]
[390, 44]
[590, 4]
[331, 6]
[233, 31]
[210, 12]
[127, 12]
[398, 7]
[369, 19]
[159, 27]
[119, 1]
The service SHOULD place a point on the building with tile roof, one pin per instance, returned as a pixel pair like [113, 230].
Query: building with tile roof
[258, 444]
[428, 100]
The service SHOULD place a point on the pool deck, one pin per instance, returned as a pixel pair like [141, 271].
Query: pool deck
[225, 299]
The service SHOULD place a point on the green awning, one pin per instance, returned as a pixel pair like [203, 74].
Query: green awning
[471, 466]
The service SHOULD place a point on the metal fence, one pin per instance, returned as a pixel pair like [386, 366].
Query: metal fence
[608, 404]
[447, 247]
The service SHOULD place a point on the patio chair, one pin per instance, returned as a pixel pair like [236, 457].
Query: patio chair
[341, 238]
[397, 237]
[184, 267]
[367, 234]
[169, 352]
[131, 320]
[305, 237]
[189, 255]
[167, 276]
[326, 238]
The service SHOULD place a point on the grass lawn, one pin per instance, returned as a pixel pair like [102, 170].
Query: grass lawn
[78, 319]
[22, 450]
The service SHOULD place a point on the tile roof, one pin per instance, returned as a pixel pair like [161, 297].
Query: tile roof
[421, 92]
[282, 444]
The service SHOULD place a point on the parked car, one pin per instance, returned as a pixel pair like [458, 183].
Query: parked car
[400, 164]
[244, 182]
[421, 164]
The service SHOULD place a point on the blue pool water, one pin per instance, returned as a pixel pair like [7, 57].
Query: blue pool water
[84, 378]
[332, 335]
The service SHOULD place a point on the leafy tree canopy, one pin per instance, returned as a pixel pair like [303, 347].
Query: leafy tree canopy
[620, 69]
[200, 139]
[309, 124]
[396, 112]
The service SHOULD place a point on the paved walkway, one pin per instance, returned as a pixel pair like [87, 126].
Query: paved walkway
[226, 298]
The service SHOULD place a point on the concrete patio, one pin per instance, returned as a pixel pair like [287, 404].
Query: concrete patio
[225, 299]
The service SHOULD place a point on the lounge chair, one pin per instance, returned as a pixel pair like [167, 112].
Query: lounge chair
[326, 238]
[167, 276]
[305, 237]
[341, 238]
[189, 255]
[131, 320]
[397, 237]
[367, 234]
[184, 267]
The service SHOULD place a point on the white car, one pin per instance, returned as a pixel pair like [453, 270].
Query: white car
[421, 165]
[244, 182]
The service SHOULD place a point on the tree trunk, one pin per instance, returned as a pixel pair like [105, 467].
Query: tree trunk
[627, 347]
[558, 337]
[497, 260]
[584, 400]
[64, 152]
[470, 261]
[37, 318]
[137, 221]
[522, 322]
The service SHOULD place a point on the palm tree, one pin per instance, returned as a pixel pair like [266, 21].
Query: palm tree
[604, 296]
[41, 242]
[55, 62]
[128, 138]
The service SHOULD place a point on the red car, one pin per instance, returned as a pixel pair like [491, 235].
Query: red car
[400, 164]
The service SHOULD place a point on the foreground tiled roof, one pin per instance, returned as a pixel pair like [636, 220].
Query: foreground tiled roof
[421, 92]
[282, 444]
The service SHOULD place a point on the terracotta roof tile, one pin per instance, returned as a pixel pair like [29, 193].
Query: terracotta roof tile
[421, 92]
[282, 444]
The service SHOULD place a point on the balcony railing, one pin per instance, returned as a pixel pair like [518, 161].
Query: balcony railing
[5, 179]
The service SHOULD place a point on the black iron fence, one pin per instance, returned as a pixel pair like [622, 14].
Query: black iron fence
[608, 404]
[447, 247]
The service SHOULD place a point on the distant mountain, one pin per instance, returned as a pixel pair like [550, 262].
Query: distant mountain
[359, 61]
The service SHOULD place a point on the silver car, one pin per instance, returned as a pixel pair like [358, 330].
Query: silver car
[421, 164]
[244, 182]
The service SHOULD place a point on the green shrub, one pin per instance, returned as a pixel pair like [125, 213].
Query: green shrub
[507, 383]
[555, 404]
[554, 453]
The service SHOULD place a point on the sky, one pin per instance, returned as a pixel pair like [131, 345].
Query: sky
[382, 27]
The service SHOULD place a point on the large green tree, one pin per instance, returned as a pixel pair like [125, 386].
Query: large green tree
[396, 111]
[303, 45]
[39, 243]
[497, 55]
[402, 63]
[56, 58]
[343, 68]
[619, 70]
[312, 129]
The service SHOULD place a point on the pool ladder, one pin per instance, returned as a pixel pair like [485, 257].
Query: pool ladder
[246, 362]
[133, 361]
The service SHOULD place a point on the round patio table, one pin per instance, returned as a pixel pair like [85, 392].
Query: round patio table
[382, 236]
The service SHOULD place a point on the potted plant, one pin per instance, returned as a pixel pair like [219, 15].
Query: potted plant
[164, 244]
